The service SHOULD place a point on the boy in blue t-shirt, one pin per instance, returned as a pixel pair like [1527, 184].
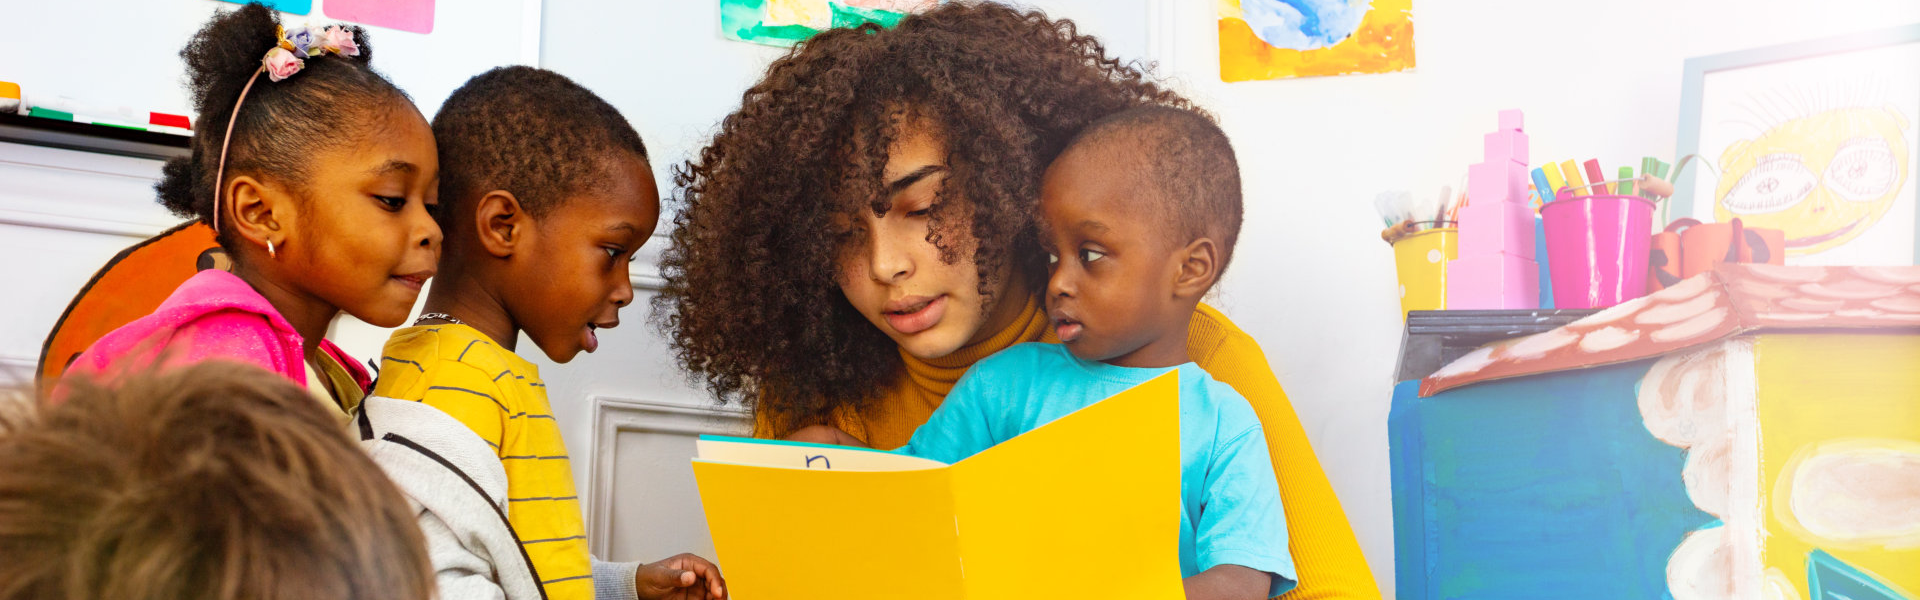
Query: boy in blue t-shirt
[1139, 216]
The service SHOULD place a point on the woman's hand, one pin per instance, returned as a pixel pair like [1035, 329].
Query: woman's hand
[824, 434]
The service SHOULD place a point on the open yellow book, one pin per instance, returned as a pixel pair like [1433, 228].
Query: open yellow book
[1087, 506]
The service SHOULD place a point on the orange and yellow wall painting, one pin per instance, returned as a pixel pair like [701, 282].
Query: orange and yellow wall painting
[1279, 39]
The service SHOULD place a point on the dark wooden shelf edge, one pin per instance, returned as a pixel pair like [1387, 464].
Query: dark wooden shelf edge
[87, 137]
[1434, 338]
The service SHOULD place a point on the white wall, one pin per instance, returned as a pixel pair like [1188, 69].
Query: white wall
[62, 215]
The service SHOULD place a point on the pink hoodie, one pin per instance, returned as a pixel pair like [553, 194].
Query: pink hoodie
[214, 315]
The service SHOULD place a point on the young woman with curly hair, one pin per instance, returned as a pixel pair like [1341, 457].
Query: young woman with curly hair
[861, 231]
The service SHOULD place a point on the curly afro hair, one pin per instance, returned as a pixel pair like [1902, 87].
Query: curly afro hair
[282, 124]
[529, 131]
[751, 301]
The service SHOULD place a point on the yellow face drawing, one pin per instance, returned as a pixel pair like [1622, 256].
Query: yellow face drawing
[1823, 179]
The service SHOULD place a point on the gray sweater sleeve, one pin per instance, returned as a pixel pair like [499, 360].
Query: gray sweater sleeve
[458, 488]
[614, 580]
[458, 571]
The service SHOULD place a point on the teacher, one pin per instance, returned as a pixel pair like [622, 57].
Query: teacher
[861, 231]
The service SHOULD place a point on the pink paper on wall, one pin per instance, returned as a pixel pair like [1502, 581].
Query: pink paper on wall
[405, 15]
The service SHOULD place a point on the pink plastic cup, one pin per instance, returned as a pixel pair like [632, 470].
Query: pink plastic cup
[1597, 249]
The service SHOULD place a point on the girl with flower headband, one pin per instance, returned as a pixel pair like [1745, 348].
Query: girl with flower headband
[317, 176]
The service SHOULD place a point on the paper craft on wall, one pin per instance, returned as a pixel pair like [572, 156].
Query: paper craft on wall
[405, 15]
[128, 287]
[1815, 139]
[298, 7]
[787, 22]
[1279, 39]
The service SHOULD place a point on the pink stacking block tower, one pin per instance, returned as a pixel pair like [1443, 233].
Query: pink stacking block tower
[1499, 228]
[1492, 281]
[1496, 268]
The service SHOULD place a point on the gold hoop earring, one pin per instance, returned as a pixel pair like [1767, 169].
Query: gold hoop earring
[270, 252]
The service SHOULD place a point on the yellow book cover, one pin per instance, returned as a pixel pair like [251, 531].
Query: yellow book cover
[1086, 506]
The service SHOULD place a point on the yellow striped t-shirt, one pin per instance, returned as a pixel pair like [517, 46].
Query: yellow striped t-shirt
[499, 395]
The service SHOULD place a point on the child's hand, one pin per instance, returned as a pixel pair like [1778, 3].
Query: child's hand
[680, 578]
[823, 434]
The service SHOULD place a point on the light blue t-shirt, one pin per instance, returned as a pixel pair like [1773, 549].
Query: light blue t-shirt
[1231, 504]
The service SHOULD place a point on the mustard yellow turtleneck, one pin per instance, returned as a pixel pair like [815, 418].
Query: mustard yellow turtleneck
[1325, 553]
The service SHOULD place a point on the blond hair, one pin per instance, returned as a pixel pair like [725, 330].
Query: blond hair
[218, 481]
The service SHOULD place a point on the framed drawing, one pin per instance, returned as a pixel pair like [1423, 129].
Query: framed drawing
[1814, 138]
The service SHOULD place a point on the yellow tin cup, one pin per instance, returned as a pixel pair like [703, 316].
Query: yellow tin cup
[1421, 260]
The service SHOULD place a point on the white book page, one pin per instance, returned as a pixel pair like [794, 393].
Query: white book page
[796, 455]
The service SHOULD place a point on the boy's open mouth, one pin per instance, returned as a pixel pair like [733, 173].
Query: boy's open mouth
[588, 340]
[1067, 329]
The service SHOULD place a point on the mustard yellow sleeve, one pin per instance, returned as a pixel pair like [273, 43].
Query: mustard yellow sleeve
[470, 397]
[1325, 552]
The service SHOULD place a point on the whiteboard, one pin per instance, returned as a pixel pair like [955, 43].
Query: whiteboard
[124, 55]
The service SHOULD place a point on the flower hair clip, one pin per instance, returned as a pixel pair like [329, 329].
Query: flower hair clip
[290, 55]
[287, 57]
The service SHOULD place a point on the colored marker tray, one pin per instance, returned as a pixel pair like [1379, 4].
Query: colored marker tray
[90, 137]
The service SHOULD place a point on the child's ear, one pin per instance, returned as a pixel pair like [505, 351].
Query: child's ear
[500, 222]
[1199, 266]
[258, 213]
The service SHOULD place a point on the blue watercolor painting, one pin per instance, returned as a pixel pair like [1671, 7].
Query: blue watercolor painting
[1303, 24]
[1538, 487]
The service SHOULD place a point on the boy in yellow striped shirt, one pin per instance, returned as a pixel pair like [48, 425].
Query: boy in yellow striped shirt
[546, 194]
